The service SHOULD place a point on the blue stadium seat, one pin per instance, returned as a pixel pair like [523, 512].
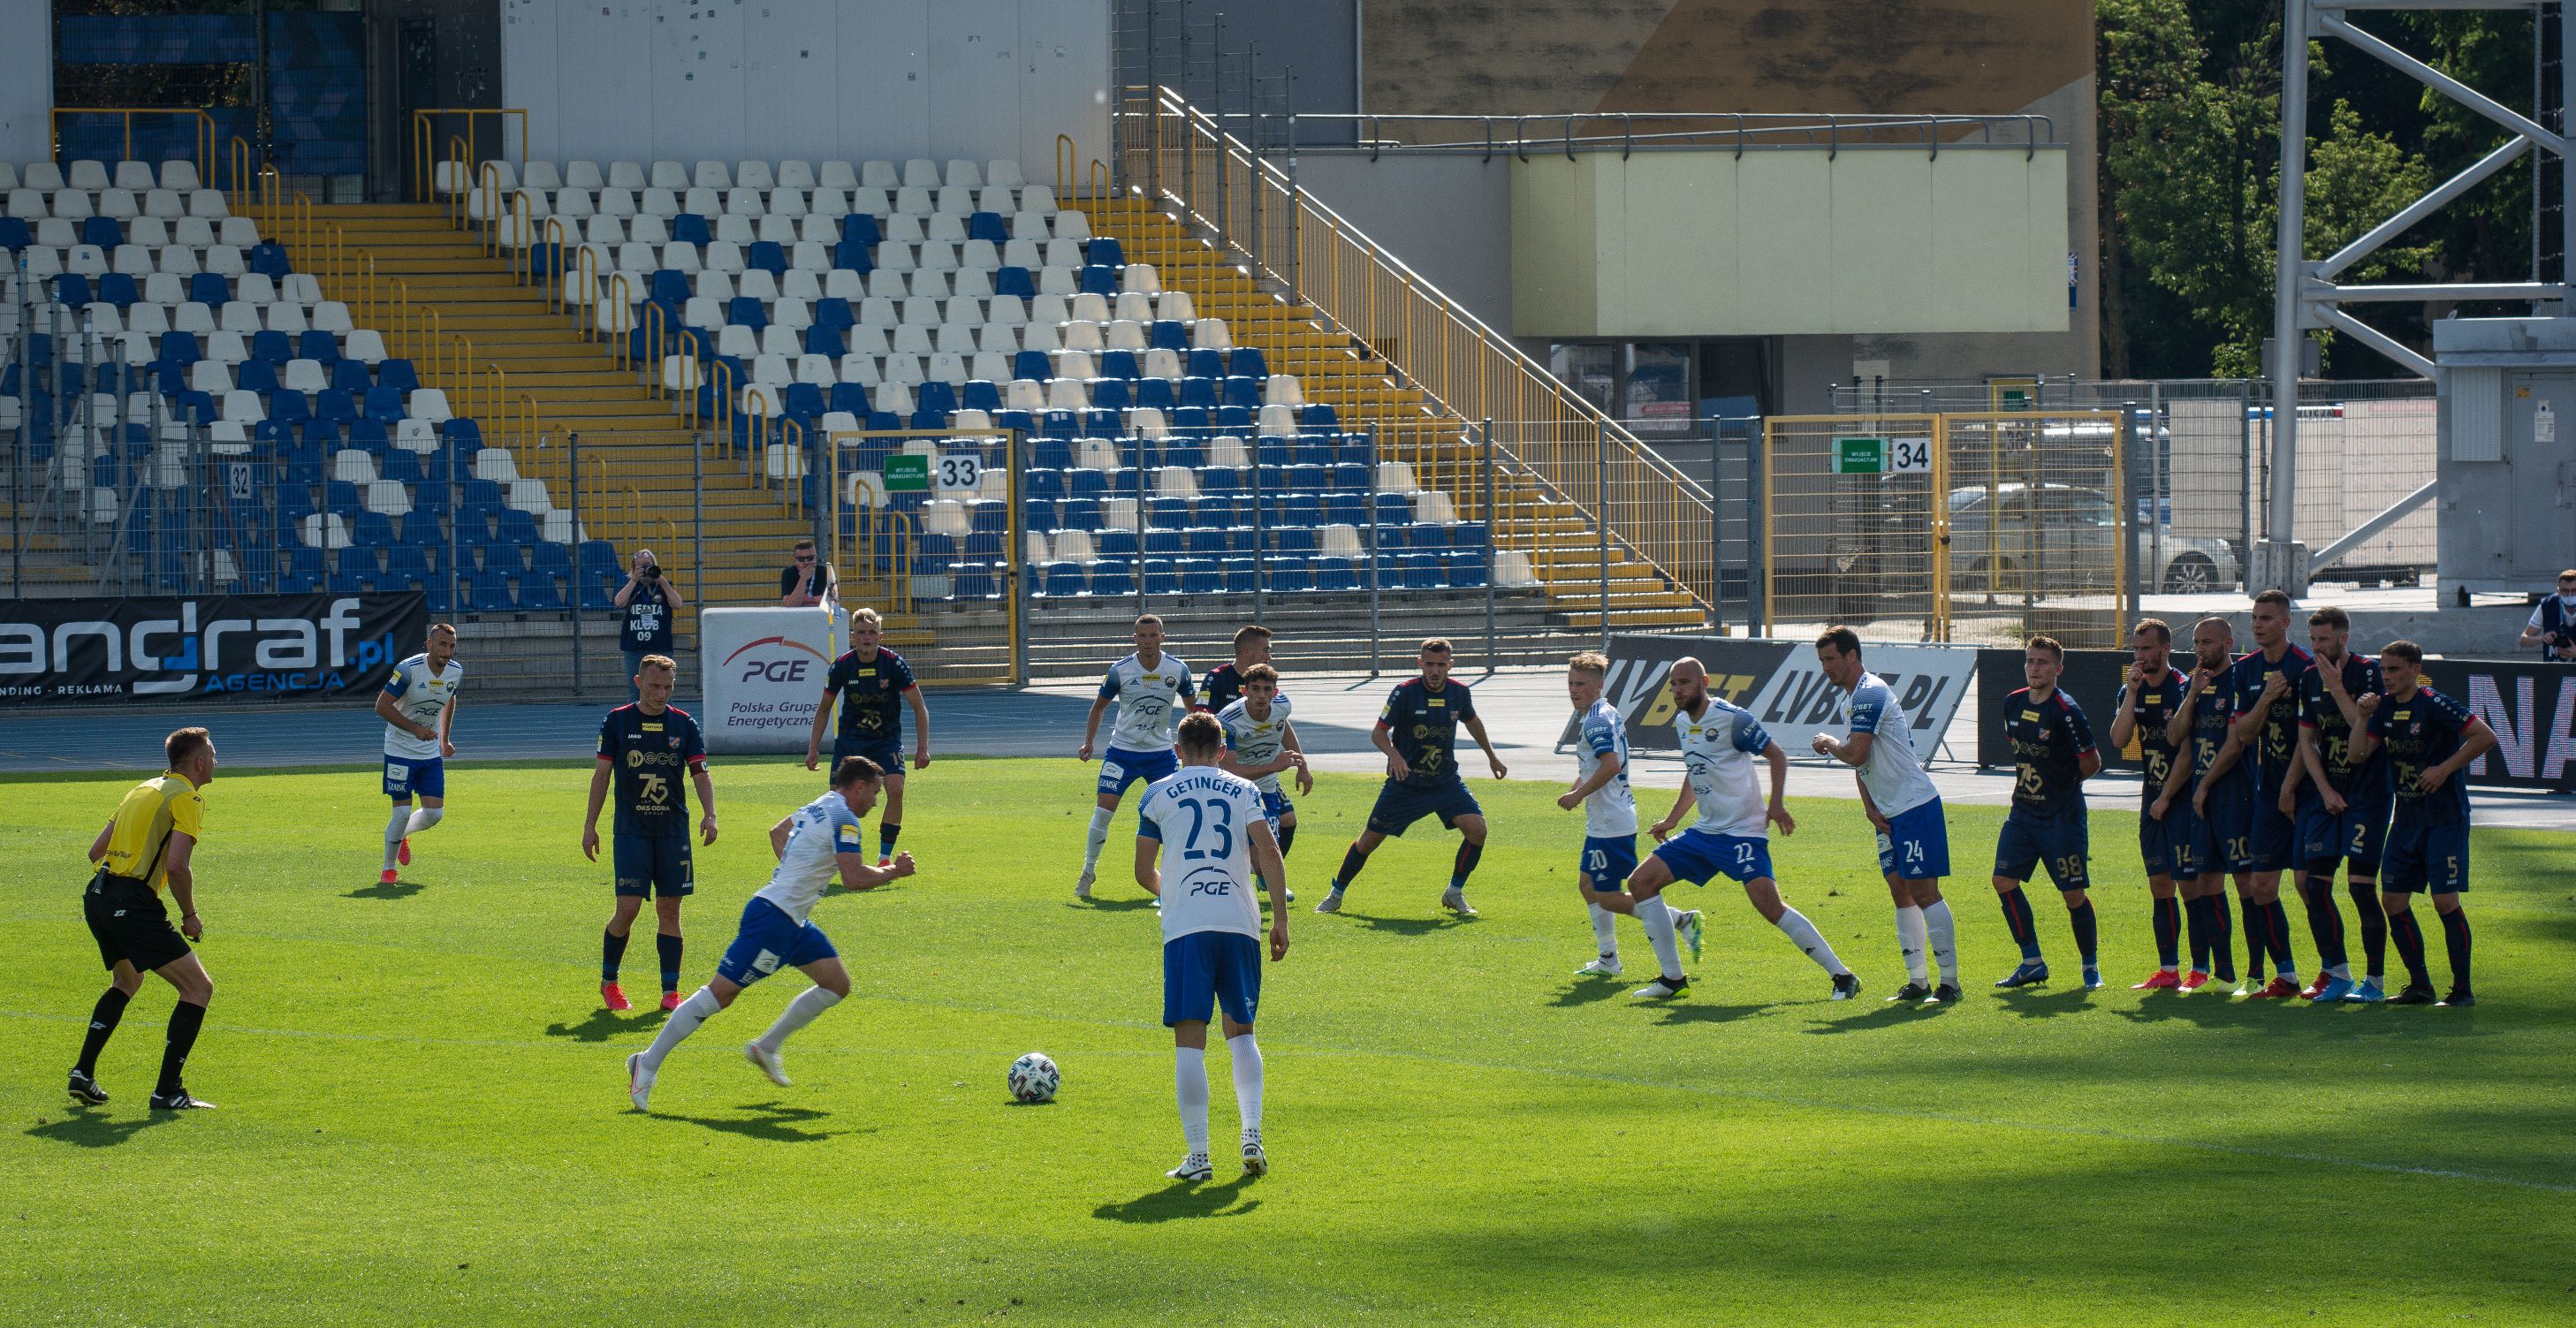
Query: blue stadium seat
[861, 227]
[399, 375]
[1198, 391]
[833, 311]
[517, 528]
[1288, 576]
[1120, 364]
[667, 285]
[541, 592]
[1350, 509]
[1247, 362]
[256, 376]
[1043, 485]
[1032, 364]
[406, 567]
[1162, 577]
[1333, 574]
[1014, 281]
[1293, 541]
[489, 592]
[766, 256]
[375, 530]
[212, 290]
[420, 530]
[1243, 391]
[271, 346]
[351, 376]
[1079, 513]
[1115, 543]
[1157, 393]
[1394, 509]
[1202, 362]
[1207, 541]
[1432, 537]
[304, 561]
[1349, 476]
[353, 572]
[821, 339]
[1168, 334]
[268, 258]
[1188, 421]
[1200, 576]
[1062, 580]
[987, 226]
[1109, 394]
[384, 403]
[117, 288]
[1236, 420]
[1240, 575]
[14, 234]
[973, 581]
[1100, 279]
[1467, 568]
[1220, 481]
[1317, 416]
[690, 228]
[853, 256]
[1103, 251]
[1164, 542]
[851, 397]
[1112, 578]
[747, 311]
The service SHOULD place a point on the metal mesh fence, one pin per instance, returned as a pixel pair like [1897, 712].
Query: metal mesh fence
[1976, 528]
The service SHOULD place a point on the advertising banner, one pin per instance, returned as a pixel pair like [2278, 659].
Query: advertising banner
[1782, 683]
[2531, 705]
[763, 670]
[109, 651]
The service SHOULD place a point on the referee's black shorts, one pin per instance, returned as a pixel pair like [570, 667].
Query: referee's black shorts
[130, 924]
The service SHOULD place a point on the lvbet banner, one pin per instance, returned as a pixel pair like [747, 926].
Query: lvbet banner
[1782, 683]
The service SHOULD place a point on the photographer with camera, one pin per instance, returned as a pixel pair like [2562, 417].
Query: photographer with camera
[2553, 622]
[648, 606]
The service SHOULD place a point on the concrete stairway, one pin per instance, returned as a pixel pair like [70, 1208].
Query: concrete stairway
[1562, 543]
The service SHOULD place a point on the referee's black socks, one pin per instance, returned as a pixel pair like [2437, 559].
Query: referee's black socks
[185, 1020]
[102, 1024]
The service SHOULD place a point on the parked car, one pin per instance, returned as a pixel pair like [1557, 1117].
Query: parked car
[2049, 529]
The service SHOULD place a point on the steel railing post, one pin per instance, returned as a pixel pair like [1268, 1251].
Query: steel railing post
[1376, 457]
[1493, 531]
[1260, 546]
[698, 544]
[572, 451]
[1601, 516]
[455, 485]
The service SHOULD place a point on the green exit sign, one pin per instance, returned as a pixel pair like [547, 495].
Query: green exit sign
[1860, 456]
[907, 474]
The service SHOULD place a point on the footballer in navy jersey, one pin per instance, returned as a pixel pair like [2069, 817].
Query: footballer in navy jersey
[874, 686]
[2053, 754]
[2150, 695]
[2216, 794]
[2266, 686]
[1418, 732]
[646, 749]
[2342, 808]
[2431, 739]
[1224, 685]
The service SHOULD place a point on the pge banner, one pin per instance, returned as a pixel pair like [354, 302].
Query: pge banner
[2531, 705]
[117, 651]
[763, 670]
[1782, 683]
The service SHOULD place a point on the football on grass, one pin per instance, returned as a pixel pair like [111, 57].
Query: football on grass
[1034, 1078]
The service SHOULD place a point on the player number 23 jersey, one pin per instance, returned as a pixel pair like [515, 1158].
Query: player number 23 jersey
[1203, 818]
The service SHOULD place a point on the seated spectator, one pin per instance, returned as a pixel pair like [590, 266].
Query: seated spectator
[807, 581]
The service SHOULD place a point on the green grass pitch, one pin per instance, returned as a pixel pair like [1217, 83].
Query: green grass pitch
[424, 1118]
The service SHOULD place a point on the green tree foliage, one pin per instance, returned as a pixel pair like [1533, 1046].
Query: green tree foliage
[2190, 129]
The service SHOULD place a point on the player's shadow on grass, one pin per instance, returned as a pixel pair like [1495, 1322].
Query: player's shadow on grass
[1885, 1016]
[1179, 1200]
[1407, 926]
[1697, 1012]
[772, 1122]
[1113, 905]
[89, 1129]
[2044, 1003]
[382, 890]
[605, 1024]
[1587, 991]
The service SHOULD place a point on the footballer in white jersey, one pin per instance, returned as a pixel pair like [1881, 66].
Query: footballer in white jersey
[1261, 745]
[1201, 837]
[1600, 788]
[1153, 690]
[418, 706]
[1719, 742]
[815, 843]
[1902, 805]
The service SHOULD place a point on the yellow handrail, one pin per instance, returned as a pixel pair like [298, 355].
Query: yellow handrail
[422, 135]
[1099, 180]
[201, 139]
[457, 152]
[488, 219]
[1066, 153]
[521, 229]
[1464, 369]
[621, 297]
[654, 319]
[584, 278]
[790, 493]
[238, 198]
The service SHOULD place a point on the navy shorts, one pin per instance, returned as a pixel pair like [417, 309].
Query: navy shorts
[1399, 806]
[408, 775]
[887, 755]
[2165, 846]
[1208, 970]
[1120, 768]
[1918, 847]
[2059, 841]
[658, 865]
[768, 941]
[1696, 855]
[2275, 836]
[1608, 861]
[2426, 855]
[2359, 835]
[2222, 840]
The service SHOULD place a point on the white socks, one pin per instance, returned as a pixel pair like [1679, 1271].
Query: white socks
[1909, 938]
[694, 1011]
[799, 1012]
[424, 819]
[1803, 934]
[1099, 836]
[1190, 1076]
[1658, 922]
[1944, 934]
[1603, 931]
[1247, 1084]
[394, 832]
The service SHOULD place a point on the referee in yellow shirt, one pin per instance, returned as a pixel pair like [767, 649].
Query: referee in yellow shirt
[146, 848]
